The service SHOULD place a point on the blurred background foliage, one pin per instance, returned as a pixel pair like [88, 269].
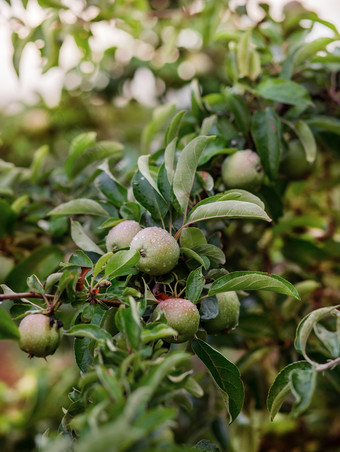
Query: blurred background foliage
[115, 63]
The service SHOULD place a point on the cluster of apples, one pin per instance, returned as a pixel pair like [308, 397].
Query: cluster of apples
[159, 254]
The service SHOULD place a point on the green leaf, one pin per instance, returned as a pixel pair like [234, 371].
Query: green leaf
[90, 154]
[169, 159]
[120, 262]
[111, 188]
[237, 105]
[307, 139]
[306, 325]
[101, 263]
[160, 116]
[148, 197]
[42, 261]
[193, 255]
[225, 374]
[209, 308]
[212, 252]
[81, 239]
[173, 128]
[302, 383]
[35, 285]
[330, 339]
[253, 281]
[232, 195]
[128, 322]
[80, 206]
[207, 124]
[310, 49]
[88, 330]
[195, 284]
[143, 166]
[80, 259]
[284, 91]
[191, 237]
[266, 132]
[8, 329]
[186, 169]
[37, 163]
[213, 150]
[110, 382]
[131, 210]
[289, 379]
[78, 147]
[155, 331]
[243, 52]
[227, 209]
[325, 124]
[83, 346]
[7, 218]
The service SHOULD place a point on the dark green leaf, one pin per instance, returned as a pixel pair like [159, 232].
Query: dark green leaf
[8, 329]
[266, 132]
[112, 189]
[148, 197]
[284, 91]
[42, 262]
[225, 374]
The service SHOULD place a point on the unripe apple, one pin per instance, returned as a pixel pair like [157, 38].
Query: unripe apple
[159, 251]
[39, 335]
[228, 313]
[243, 169]
[295, 165]
[182, 315]
[121, 235]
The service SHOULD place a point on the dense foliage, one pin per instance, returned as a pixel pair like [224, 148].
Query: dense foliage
[188, 256]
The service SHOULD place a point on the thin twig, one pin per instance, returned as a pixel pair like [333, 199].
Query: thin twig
[329, 365]
[15, 296]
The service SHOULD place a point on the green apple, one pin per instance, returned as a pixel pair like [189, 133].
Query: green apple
[39, 335]
[182, 315]
[228, 313]
[159, 251]
[294, 165]
[121, 235]
[243, 169]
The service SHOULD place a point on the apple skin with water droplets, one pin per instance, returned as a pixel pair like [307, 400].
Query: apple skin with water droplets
[159, 251]
[182, 315]
[120, 236]
[39, 335]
